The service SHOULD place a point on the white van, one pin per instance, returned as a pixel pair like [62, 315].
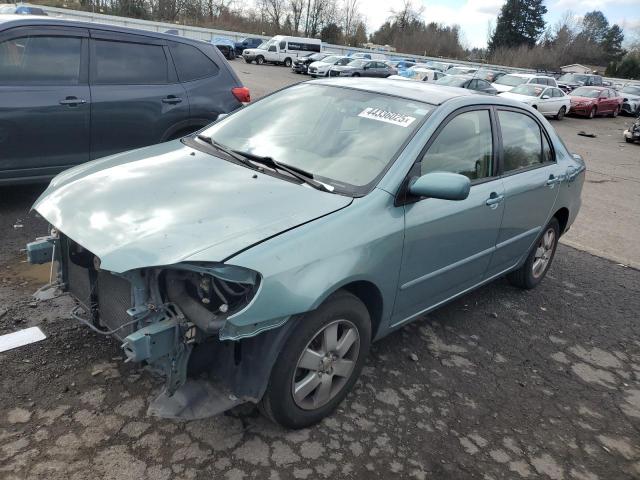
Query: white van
[282, 49]
[369, 56]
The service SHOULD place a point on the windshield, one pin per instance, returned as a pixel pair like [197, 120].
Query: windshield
[7, 9]
[344, 61]
[452, 81]
[586, 92]
[332, 59]
[573, 78]
[357, 63]
[528, 89]
[510, 80]
[631, 89]
[460, 70]
[344, 137]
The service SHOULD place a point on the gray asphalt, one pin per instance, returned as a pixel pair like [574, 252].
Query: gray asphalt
[507, 384]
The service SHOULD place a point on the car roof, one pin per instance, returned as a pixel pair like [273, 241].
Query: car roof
[421, 91]
[596, 87]
[11, 20]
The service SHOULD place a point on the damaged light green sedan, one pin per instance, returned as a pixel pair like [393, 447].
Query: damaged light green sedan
[258, 259]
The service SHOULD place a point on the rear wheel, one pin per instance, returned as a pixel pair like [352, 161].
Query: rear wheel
[616, 112]
[540, 257]
[320, 362]
[561, 113]
[592, 112]
[259, 59]
[287, 62]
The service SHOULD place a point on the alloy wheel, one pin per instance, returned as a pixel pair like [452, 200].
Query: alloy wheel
[325, 365]
[592, 113]
[561, 113]
[543, 254]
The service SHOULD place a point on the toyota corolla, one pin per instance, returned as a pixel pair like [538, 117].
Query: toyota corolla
[256, 260]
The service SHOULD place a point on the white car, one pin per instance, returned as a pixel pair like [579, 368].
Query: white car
[512, 80]
[321, 67]
[549, 101]
[423, 74]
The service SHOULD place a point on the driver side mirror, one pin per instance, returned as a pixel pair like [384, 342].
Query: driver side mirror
[442, 185]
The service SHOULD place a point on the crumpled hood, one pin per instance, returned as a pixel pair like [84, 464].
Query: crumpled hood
[163, 204]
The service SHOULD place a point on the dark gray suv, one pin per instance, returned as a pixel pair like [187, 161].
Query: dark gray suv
[71, 92]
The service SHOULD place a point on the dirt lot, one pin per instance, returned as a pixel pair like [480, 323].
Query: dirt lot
[507, 384]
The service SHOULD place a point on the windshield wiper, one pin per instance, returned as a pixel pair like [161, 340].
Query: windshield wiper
[250, 160]
[218, 146]
[296, 172]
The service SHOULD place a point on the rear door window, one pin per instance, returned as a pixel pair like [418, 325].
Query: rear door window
[191, 63]
[40, 60]
[521, 141]
[127, 63]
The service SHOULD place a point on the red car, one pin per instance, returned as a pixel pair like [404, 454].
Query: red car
[592, 101]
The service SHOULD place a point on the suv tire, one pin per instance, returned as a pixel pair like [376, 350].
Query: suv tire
[260, 60]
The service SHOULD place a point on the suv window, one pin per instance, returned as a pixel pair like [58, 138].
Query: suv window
[125, 63]
[464, 145]
[521, 141]
[191, 63]
[40, 60]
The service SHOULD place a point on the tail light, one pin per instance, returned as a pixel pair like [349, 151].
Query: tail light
[242, 94]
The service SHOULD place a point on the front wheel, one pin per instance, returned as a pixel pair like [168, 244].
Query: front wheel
[320, 362]
[592, 113]
[539, 260]
[561, 113]
[260, 60]
[355, 74]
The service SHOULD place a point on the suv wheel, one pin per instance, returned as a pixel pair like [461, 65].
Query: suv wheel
[259, 59]
[320, 362]
[540, 257]
[287, 62]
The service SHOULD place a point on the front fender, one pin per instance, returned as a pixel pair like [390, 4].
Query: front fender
[302, 267]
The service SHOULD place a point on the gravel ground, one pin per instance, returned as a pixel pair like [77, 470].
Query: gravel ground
[501, 384]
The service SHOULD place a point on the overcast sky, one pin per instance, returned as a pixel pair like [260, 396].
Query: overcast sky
[473, 15]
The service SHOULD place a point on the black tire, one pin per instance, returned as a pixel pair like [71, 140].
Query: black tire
[260, 60]
[593, 112]
[561, 113]
[628, 140]
[287, 62]
[247, 60]
[615, 113]
[278, 402]
[525, 277]
[355, 74]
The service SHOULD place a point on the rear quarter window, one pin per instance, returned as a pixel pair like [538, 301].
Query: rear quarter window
[125, 63]
[191, 63]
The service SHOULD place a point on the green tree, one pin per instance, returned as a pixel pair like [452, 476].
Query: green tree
[520, 22]
[612, 44]
[595, 27]
[331, 33]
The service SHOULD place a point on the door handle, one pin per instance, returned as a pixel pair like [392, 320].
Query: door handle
[72, 101]
[494, 200]
[553, 180]
[171, 99]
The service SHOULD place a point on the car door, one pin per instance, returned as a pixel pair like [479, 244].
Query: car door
[136, 96]
[448, 244]
[532, 180]
[545, 103]
[44, 100]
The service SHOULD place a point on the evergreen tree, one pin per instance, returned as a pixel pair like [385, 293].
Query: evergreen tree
[612, 44]
[520, 22]
[595, 26]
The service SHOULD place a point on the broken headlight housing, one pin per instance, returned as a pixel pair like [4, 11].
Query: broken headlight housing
[209, 293]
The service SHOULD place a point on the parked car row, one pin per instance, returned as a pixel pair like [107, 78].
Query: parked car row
[88, 90]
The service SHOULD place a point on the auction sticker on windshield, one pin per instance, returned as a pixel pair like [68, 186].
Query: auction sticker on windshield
[381, 115]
